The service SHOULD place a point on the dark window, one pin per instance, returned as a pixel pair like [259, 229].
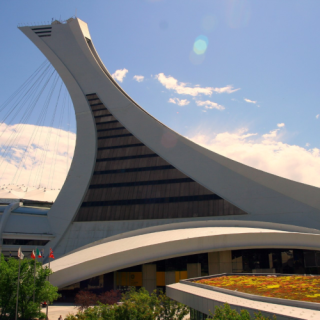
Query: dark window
[104, 115]
[152, 155]
[25, 242]
[139, 183]
[124, 146]
[115, 136]
[110, 129]
[134, 170]
[97, 104]
[150, 201]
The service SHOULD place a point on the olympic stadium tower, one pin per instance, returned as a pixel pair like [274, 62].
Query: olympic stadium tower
[144, 206]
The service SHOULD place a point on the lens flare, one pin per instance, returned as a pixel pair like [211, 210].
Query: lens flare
[200, 45]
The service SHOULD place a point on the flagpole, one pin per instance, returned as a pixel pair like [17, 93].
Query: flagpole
[47, 301]
[18, 291]
[34, 278]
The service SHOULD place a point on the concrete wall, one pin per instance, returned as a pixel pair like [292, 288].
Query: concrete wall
[149, 277]
[220, 262]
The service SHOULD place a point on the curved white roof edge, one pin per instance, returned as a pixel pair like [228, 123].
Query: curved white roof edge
[252, 190]
[202, 224]
[140, 249]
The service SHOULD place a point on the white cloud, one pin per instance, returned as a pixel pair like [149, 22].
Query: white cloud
[249, 101]
[280, 125]
[317, 116]
[307, 144]
[120, 74]
[46, 162]
[182, 88]
[271, 135]
[179, 102]
[209, 105]
[138, 78]
[265, 152]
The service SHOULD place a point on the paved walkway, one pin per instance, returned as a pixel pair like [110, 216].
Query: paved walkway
[63, 309]
[58, 309]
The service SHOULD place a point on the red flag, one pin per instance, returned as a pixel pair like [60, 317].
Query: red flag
[51, 254]
[33, 256]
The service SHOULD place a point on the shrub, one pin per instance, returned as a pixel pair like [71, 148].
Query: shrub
[110, 297]
[42, 315]
[137, 305]
[84, 299]
[226, 313]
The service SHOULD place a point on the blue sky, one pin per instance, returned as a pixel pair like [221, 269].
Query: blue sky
[268, 50]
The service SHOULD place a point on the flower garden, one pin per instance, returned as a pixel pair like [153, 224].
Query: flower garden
[303, 288]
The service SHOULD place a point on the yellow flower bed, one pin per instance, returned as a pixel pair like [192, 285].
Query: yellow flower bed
[304, 288]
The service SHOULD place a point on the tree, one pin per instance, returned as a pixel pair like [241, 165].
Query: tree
[138, 305]
[41, 288]
[8, 286]
[169, 309]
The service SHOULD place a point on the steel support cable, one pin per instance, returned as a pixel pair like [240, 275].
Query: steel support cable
[39, 124]
[7, 162]
[43, 128]
[42, 156]
[25, 116]
[49, 134]
[20, 89]
[20, 94]
[16, 135]
[37, 96]
[56, 147]
[56, 143]
[26, 105]
[25, 97]
[39, 121]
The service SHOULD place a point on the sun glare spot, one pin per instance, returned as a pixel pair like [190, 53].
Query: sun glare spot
[200, 44]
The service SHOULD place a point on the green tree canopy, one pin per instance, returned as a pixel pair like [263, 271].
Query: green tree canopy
[29, 286]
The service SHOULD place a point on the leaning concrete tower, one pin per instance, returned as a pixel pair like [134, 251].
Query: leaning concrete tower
[138, 192]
